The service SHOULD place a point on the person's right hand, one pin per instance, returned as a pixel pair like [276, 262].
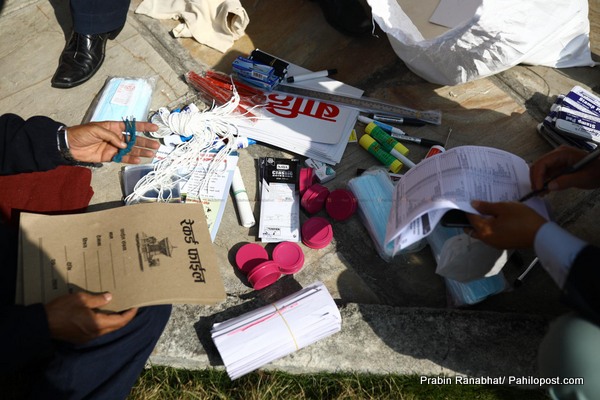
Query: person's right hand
[505, 225]
[75, 317]
[100, 141]
[553, 163]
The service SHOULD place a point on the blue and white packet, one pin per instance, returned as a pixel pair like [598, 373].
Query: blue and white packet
[122, 97]
[574, 118]
[374, 191]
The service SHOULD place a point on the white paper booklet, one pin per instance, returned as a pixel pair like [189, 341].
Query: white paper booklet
[451, 180]
[307, 127]
[256, 338]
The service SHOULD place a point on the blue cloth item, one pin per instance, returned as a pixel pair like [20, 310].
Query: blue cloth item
[130, 128]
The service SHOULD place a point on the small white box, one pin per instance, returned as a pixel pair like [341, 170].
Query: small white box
[323, 172]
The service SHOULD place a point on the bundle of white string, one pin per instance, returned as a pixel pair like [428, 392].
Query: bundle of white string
[210, 131]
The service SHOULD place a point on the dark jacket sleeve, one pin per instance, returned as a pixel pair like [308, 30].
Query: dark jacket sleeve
[582, 287]
[24, 331]
[27, 146]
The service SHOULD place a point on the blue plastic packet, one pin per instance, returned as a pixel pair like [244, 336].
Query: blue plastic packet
[374, 191]
[120, 98]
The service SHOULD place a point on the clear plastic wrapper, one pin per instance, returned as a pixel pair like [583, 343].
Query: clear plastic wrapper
[217, 87]
[122, 97]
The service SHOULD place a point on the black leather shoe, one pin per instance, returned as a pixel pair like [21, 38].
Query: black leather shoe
[81, 58]
[347, 16]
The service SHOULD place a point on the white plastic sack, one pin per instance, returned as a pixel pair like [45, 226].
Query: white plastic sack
[501, 34]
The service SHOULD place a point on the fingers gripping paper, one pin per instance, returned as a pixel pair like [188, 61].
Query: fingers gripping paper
[143, 254]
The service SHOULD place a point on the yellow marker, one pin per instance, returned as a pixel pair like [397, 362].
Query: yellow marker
[369, 144]
[389, 144]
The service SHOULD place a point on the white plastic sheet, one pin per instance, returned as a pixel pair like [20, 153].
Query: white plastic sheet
[501, 34]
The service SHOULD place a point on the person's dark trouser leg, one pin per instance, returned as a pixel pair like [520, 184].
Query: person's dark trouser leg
[98, 16]
[106, 367]
[94, 23]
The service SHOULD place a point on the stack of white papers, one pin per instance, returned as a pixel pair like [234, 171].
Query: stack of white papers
[311, 128]
[307, 127]
[258, 337]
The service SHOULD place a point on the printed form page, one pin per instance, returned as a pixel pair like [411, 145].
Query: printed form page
[451, 180]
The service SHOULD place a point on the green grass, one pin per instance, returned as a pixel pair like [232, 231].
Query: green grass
[163, 383]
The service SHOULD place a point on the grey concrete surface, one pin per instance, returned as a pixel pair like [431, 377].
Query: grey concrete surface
[396, 317]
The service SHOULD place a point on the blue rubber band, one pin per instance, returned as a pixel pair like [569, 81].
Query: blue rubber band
[130, 129]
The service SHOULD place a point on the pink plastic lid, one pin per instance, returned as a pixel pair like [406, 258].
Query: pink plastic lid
[249, 256]
[314, 198]
[317, 233]
[341, 204]
[289, 256]
[306, 179]
[264, 274]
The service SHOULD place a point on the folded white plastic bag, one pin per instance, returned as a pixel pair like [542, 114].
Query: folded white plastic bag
[501, 34]
[465, 259]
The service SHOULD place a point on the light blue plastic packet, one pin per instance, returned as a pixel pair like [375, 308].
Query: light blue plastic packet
[374, 191]
[120, 98]
[468, 293]
[464, 293]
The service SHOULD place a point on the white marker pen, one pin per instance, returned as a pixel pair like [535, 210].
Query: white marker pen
[241, 199]
[311, 75]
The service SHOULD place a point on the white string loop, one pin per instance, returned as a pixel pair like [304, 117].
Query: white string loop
[212, 131]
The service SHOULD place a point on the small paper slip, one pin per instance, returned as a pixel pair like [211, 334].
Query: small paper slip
[279, 200]
[452, 13]
[256, 338]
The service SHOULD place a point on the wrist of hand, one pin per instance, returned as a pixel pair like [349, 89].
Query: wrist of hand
[62, 142]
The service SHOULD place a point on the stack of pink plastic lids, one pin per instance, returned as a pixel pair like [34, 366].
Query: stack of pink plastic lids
[264, 274]
[252, 259]
[317, 233]
[313, 200]
[341, 204]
